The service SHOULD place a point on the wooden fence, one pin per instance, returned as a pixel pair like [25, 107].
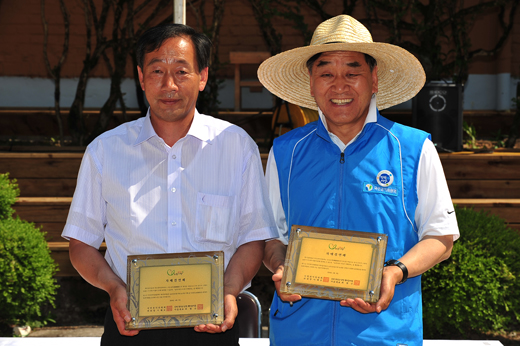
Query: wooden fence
[47, 182]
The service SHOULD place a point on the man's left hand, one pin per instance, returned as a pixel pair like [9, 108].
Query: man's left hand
[230, 314]
[391, 276]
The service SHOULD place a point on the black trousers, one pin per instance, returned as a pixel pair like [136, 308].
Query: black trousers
[160, 337]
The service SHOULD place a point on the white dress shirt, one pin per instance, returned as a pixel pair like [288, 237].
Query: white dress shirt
[433, 215]
[206, 193]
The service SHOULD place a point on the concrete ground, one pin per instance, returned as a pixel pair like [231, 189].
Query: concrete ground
[76, 331]
[84, 331]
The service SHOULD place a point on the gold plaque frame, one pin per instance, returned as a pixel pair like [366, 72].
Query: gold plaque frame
[175, 290]
[334, 264]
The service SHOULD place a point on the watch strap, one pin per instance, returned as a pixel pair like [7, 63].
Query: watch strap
[401, 266]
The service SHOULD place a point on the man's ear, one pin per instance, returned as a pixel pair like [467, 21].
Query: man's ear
[141, 79]
[203, 78]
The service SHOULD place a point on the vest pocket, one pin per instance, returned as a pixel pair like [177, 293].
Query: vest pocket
[215, 218]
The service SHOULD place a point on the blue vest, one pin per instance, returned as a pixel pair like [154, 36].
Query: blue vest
[370, 188]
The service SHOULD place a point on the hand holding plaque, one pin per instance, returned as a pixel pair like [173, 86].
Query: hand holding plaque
[334, 264]
[175, 290]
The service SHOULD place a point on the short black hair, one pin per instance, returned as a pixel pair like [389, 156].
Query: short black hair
[153, 38]
[371, 62]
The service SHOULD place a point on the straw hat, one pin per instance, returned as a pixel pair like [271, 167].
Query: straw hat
[400, 74]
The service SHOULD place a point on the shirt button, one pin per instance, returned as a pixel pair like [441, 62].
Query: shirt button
[173, 189]
[174, 223]
[174, 157]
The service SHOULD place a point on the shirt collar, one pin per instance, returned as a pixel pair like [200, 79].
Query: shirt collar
[370, 118]
[147, 130]
[197, 129]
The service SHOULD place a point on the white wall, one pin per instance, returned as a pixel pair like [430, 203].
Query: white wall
[481, 92]
[484, 92]
[39, 92]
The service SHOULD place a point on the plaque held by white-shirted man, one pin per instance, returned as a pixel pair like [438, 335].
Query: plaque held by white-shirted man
[175, 290]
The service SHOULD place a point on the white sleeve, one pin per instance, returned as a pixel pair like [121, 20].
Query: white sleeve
[273, 186]
[256, 219]
[87, 214]
[435, 215]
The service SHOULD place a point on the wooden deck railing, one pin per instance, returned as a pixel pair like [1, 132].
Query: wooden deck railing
[486, 181]
[47, 182]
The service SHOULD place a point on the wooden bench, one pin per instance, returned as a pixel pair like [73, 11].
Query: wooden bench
[47, 181]
[50, 213]
[508, 209]
[494, 175]
[42, 174]
[241, 58]
[486, 182]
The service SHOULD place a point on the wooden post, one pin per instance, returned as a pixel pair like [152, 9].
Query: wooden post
[179, 11]
[238, 91]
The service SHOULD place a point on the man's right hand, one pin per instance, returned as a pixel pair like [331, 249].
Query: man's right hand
[277, 278]
[118, 300]
[93, 267]
[274, 258]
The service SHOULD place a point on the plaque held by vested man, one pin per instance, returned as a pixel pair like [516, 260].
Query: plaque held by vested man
[334, 264]
[175, 290]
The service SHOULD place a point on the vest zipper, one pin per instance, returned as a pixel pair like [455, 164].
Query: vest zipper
[333, 336]
[340, 187]
[340, 202]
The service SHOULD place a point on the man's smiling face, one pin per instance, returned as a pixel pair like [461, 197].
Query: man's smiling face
[171, 80]
[342, 85]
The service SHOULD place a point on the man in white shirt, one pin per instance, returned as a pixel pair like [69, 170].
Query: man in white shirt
[355, 170]
[174, 181]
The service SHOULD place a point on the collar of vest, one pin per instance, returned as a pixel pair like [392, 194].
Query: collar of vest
[322, 132]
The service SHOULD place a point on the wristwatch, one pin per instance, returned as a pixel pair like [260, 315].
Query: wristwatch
[396, 263]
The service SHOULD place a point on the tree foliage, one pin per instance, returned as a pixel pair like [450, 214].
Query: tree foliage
[436, 32]
[55, 71]
[114, 50]
[114, 45]
[9, 192]
[207, 101]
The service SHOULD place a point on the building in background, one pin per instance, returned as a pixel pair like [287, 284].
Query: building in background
[26, 83]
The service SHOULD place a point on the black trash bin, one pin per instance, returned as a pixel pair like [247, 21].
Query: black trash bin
[437, 109]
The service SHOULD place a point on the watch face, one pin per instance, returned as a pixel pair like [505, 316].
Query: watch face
[437, 103]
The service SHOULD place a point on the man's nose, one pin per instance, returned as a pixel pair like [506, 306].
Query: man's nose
[170, 82]
[341, 84]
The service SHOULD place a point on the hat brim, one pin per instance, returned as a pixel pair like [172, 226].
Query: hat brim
[400, 75]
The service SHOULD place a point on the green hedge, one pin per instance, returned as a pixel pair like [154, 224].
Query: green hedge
[27, 270]
[476, 289]
[8, 193]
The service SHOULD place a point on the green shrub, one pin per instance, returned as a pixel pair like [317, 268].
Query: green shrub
[475, 290]
[8, 193]
[26, 268]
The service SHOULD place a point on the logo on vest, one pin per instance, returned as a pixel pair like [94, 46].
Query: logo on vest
[385, 178]
[371, 188]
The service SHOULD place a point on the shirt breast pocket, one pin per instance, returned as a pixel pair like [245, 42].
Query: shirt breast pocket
[215, 218]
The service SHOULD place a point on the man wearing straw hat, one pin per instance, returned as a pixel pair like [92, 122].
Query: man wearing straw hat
[355, 170]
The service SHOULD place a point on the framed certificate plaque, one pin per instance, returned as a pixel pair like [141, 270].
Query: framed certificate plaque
[175, 290]
[334, 264]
